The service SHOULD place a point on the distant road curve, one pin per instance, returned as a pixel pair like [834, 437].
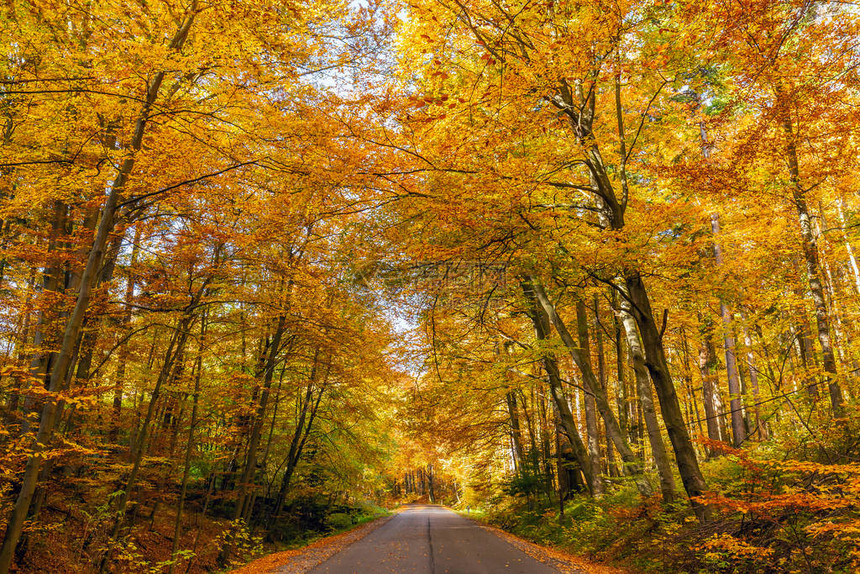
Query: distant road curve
[431, 540]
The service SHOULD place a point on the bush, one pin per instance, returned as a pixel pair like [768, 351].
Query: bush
[339, 521]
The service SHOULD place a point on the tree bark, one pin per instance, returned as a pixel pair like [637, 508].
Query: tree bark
[646, 400]
[655, 361]
[593, 388]
[243, 507]
[540, 321]
[625, 413]
[76, 319]
[189, 448]
[711, 399]
[752, 365]
[810, 255]
[601, 381]
[431, 487]
[516, 432]
[737, 415]
[688, 379]
[302, 431]
[124, 351]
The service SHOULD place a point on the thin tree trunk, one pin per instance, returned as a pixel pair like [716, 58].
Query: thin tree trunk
[601, 381]
[752, 365]
[76, 319]
[688, 379]
[625, 413]
[591, 389]
[655, 361]
[710, 385]
[643, 388]
[852, 260]
[243, 508]
[737, 415]
[189, 448]
[516, 432]
[273, 424]
[430, 484]
[530, 426]
[567, 467]
[302, 430]
[810, 255]
[802, 344]
[546, 456]
[42, 360]
[592, 385]
[124, 350]
[540, 321]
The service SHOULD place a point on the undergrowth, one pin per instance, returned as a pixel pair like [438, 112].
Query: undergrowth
[774, 512]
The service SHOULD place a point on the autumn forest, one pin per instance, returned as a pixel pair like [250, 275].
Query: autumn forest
[585, 270]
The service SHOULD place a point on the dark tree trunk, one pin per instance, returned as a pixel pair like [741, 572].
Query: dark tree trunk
[655, 361]
[540, 321]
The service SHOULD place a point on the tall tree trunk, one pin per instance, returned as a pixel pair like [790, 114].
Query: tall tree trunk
[625, 413]
[530, 426]
[189, 448]
[431, 487]
[567, 468]
[593, 388]
[52, 283]
[81, 362]
[710, 385]
[545, 439]
[274, 419]
[688, 379]
[852, 259]
[590, 390]
[124, 350]
[243, 506]
[737, 415]
[73, 325]
[643, 388]
[601, 381]
[540, 321]
[655, 361]
[752, 365]
[516, 432]
[810, 255]
[308, 412]
[802, 344]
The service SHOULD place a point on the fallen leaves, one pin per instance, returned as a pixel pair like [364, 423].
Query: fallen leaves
[303, 559]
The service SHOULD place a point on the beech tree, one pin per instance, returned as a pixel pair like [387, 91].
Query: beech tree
[265, 267]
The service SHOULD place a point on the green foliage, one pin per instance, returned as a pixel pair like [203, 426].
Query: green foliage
[310, 516]
[339, 520]
[529, 481]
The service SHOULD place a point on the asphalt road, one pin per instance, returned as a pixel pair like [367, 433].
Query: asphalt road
[431, 540]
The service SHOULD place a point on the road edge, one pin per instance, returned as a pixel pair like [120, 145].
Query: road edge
[321, 550]
[564, 562]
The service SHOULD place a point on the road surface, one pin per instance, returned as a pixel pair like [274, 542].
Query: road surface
[431, 540]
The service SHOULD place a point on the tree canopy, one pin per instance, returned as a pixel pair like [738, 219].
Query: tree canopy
[266, 265]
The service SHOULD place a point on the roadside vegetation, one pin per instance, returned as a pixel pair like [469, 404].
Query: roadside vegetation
[588, 266]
